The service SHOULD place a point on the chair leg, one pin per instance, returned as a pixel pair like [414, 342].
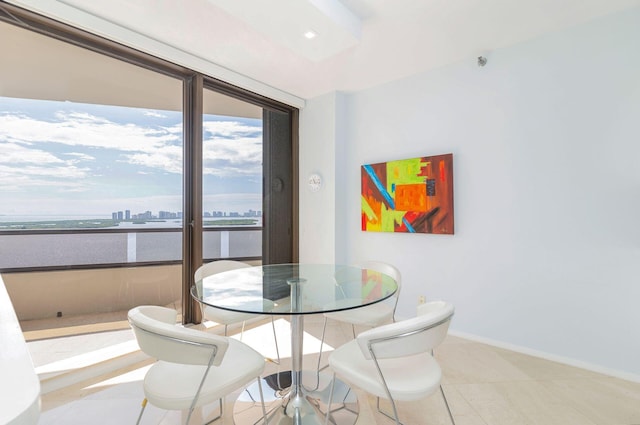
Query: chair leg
[324, 328]
[144, 404]
[397, 420]
[446, 403]
[275, 338]
[395, 417]
[217, 417]
[264, 409]
[333, 382]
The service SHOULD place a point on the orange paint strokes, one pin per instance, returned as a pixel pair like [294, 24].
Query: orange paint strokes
[443, 171]
[411, 197]
[373, 223]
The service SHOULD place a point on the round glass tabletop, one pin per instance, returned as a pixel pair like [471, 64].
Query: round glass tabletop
[293, 289]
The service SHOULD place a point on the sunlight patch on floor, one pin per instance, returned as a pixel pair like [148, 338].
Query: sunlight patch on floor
[136, 375]
[261, 338]
[89, 358]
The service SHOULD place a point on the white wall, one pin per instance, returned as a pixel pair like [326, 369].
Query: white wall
[546, 144]
[318, 156]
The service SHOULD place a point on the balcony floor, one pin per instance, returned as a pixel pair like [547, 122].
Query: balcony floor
[485, 385]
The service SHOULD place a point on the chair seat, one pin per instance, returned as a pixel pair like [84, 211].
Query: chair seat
[371, 315]
[408, 378]
[185, 379]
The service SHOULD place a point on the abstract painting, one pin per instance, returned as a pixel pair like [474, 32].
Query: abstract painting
[411, 195]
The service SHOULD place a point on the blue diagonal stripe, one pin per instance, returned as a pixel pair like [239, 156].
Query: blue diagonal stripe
[409, 226]
[380, 186]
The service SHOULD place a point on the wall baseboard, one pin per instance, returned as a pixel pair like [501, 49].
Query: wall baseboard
[548, 356]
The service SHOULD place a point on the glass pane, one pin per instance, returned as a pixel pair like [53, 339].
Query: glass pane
[90, 174]
[232, 178]
[74, 165]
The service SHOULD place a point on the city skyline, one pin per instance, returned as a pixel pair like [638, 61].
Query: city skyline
[125, 215]
[63, 157]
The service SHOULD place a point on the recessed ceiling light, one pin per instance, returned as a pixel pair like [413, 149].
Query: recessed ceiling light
[310, 34]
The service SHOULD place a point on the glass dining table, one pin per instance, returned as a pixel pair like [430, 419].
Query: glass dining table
[296, 290]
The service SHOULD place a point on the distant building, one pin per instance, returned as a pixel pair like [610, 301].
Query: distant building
[143, 216]
[164, 215]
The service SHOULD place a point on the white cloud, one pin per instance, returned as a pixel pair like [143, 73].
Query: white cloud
[23, 167]
[80, 156]
[228, 128]
[19, 179]
[49, 154]
[154, 114]
[168, 159]
[232, 149]
[18, 155]
[82, 129]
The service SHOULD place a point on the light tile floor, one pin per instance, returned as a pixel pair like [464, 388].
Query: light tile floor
[485, 385]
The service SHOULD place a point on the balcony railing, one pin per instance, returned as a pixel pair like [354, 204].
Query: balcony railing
[30, 250]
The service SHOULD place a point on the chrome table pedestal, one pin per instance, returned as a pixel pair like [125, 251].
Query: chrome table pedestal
[297, 397]
[308, 407]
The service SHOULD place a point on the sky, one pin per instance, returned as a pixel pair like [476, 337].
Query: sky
[65, 158]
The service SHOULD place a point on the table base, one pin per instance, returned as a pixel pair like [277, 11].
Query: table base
[308, 408]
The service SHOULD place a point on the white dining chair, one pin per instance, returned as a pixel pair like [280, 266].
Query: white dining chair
[371, 315]
[194, 368]
[227, 317]
[395, 361]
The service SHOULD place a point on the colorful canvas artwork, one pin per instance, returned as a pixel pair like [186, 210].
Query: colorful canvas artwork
[411, 195]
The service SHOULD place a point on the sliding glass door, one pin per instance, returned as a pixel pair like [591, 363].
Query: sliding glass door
[122, 173]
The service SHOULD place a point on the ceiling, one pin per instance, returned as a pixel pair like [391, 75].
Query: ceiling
[358, 43]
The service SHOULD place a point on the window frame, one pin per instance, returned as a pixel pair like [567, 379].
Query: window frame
[193, 85]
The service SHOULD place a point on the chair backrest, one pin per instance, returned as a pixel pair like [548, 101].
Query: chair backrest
[385, 268]
[218, 266]
[389, 270]
[411, 336]
[159, 336]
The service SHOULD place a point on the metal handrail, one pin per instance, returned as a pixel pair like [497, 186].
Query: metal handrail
[124, 230]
